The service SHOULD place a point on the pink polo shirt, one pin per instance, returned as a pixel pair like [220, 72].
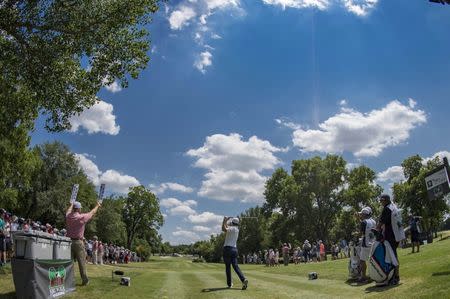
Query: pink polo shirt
[75, 223]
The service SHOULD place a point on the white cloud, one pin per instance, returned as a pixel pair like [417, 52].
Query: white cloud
[363, 134]
[181, 17]
[118, 182]
[185, 237]
[178, 207]
[233, 185]
[163, 187]
[234, 166]
[203, 60]
[360, 8]
[221, 4]
[114, 87]
[114, 180]
[439, 155]
[89, 168]
[230, 152]
[97, 119]
[320, 4]
[170, 202]
[393, 174]
[201, 229]
[187, 11]
[182, 210]
[343, 102]
[288, 124]
[191, 202]
[206, 218]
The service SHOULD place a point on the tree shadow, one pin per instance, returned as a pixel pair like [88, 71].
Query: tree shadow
[209, 290]
[441, 273]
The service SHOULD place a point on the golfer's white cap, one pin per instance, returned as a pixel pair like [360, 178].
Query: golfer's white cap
[235, 221]
[366, 211]
[77, 205]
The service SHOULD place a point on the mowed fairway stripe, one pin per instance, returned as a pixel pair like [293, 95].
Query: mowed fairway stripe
[173, 286]
[313, 288]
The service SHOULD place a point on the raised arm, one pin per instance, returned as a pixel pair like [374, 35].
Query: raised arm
[94, 210]
[69, 210]
[224, 224]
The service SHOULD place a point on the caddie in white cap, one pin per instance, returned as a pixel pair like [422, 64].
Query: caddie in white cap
[366, 226]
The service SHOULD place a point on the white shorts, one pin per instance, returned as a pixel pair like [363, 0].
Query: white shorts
[364, 254]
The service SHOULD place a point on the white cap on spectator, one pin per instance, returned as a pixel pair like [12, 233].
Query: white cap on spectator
[366, 211]
[77, 205]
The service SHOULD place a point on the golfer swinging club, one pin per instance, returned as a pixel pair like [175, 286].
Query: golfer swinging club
[230, 253]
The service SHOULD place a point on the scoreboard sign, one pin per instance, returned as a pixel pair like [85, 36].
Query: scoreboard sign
[437, 183]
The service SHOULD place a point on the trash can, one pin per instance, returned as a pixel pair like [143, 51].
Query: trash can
[38, 279]
[62, 248]
[33, 245]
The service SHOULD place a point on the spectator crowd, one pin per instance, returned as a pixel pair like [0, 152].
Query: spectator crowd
[97, 252]
[305, 253]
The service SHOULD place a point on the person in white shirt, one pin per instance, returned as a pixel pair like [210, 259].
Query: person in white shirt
[366, 226]
[230, 253]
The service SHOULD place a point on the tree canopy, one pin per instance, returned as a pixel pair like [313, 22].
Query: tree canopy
[56, 54]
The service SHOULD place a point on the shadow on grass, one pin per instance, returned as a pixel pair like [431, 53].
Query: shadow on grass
[218, 289]
[441, 273]
[8, 295]
[376, 289]
[356, 283]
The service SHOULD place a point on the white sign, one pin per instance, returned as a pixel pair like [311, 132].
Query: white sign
[73, 197]
[437, 178]
[438, 183]
[102, 191]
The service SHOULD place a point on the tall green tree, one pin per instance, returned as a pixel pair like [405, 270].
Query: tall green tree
[47, 197]
[320, 182]
[110, 226]
[412, 195]
[360, 191]
[55, 55]
[253, 235]
[141, 213]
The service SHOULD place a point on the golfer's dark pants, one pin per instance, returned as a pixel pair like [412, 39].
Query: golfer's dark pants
[230, 255]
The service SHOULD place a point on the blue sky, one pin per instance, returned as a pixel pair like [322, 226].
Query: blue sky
[236, 88]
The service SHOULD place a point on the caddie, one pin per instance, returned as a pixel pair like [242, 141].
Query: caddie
[391, 224]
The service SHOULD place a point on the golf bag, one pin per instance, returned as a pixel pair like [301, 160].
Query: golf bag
[354, 266]
[382, 262]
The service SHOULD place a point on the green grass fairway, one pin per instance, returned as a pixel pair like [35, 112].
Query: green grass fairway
[424, 275]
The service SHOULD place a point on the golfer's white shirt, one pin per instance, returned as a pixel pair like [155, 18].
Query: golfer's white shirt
[231, 236]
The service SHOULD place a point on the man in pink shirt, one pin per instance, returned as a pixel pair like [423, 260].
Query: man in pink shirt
[75, 223]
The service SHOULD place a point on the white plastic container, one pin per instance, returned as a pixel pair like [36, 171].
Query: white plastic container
[33, 245]
[62, 248]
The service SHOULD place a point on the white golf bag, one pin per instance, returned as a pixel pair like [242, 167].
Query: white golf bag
[382, 263]
[354, 266]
